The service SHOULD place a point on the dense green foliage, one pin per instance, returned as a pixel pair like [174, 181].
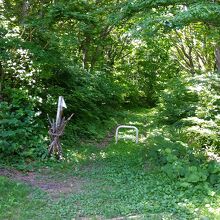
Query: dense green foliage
[20, 134]
[105, 57]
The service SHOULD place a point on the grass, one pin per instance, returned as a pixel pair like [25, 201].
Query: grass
[18, 201]
[118, 181]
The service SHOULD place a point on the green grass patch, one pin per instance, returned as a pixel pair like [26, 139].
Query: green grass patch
[19, 201]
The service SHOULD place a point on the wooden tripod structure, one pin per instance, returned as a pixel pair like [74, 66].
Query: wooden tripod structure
[56, 130]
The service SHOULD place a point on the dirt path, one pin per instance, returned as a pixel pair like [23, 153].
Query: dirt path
[55, 187]
[108, 138]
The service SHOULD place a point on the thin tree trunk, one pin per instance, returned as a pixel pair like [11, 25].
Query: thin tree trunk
[1, 81]
[24, 10]
[85, 52]
[217, 58]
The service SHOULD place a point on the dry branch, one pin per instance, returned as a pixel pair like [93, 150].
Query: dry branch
[55, 132]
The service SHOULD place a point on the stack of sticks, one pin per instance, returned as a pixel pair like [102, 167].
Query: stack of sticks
[56, 130]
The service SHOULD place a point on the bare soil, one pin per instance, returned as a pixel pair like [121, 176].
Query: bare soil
[55, 187]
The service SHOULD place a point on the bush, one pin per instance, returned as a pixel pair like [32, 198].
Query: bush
[182, 162]
[192, 105]
[177, 101]
[203, 130]
[21, 135]
[92, 97]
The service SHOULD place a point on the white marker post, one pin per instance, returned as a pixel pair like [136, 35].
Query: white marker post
[60, 106]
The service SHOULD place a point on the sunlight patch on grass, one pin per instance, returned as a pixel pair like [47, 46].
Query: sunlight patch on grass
[76, 156]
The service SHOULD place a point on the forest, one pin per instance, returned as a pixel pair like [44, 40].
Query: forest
[152, 64]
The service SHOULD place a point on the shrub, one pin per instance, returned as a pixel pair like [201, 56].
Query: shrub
[182, 162]
[20, 134]
[92, 97]
[177, 101]
[203, 130]
[192, 105]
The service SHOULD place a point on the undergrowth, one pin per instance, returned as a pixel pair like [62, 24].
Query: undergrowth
[125, 179]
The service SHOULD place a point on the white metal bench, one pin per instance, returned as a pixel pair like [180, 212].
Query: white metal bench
[126, 126]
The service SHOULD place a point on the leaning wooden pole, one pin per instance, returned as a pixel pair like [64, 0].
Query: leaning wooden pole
[56, 130]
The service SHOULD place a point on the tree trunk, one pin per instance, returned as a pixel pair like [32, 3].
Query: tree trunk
[217, 58]
[1, 81]
[24, 10]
